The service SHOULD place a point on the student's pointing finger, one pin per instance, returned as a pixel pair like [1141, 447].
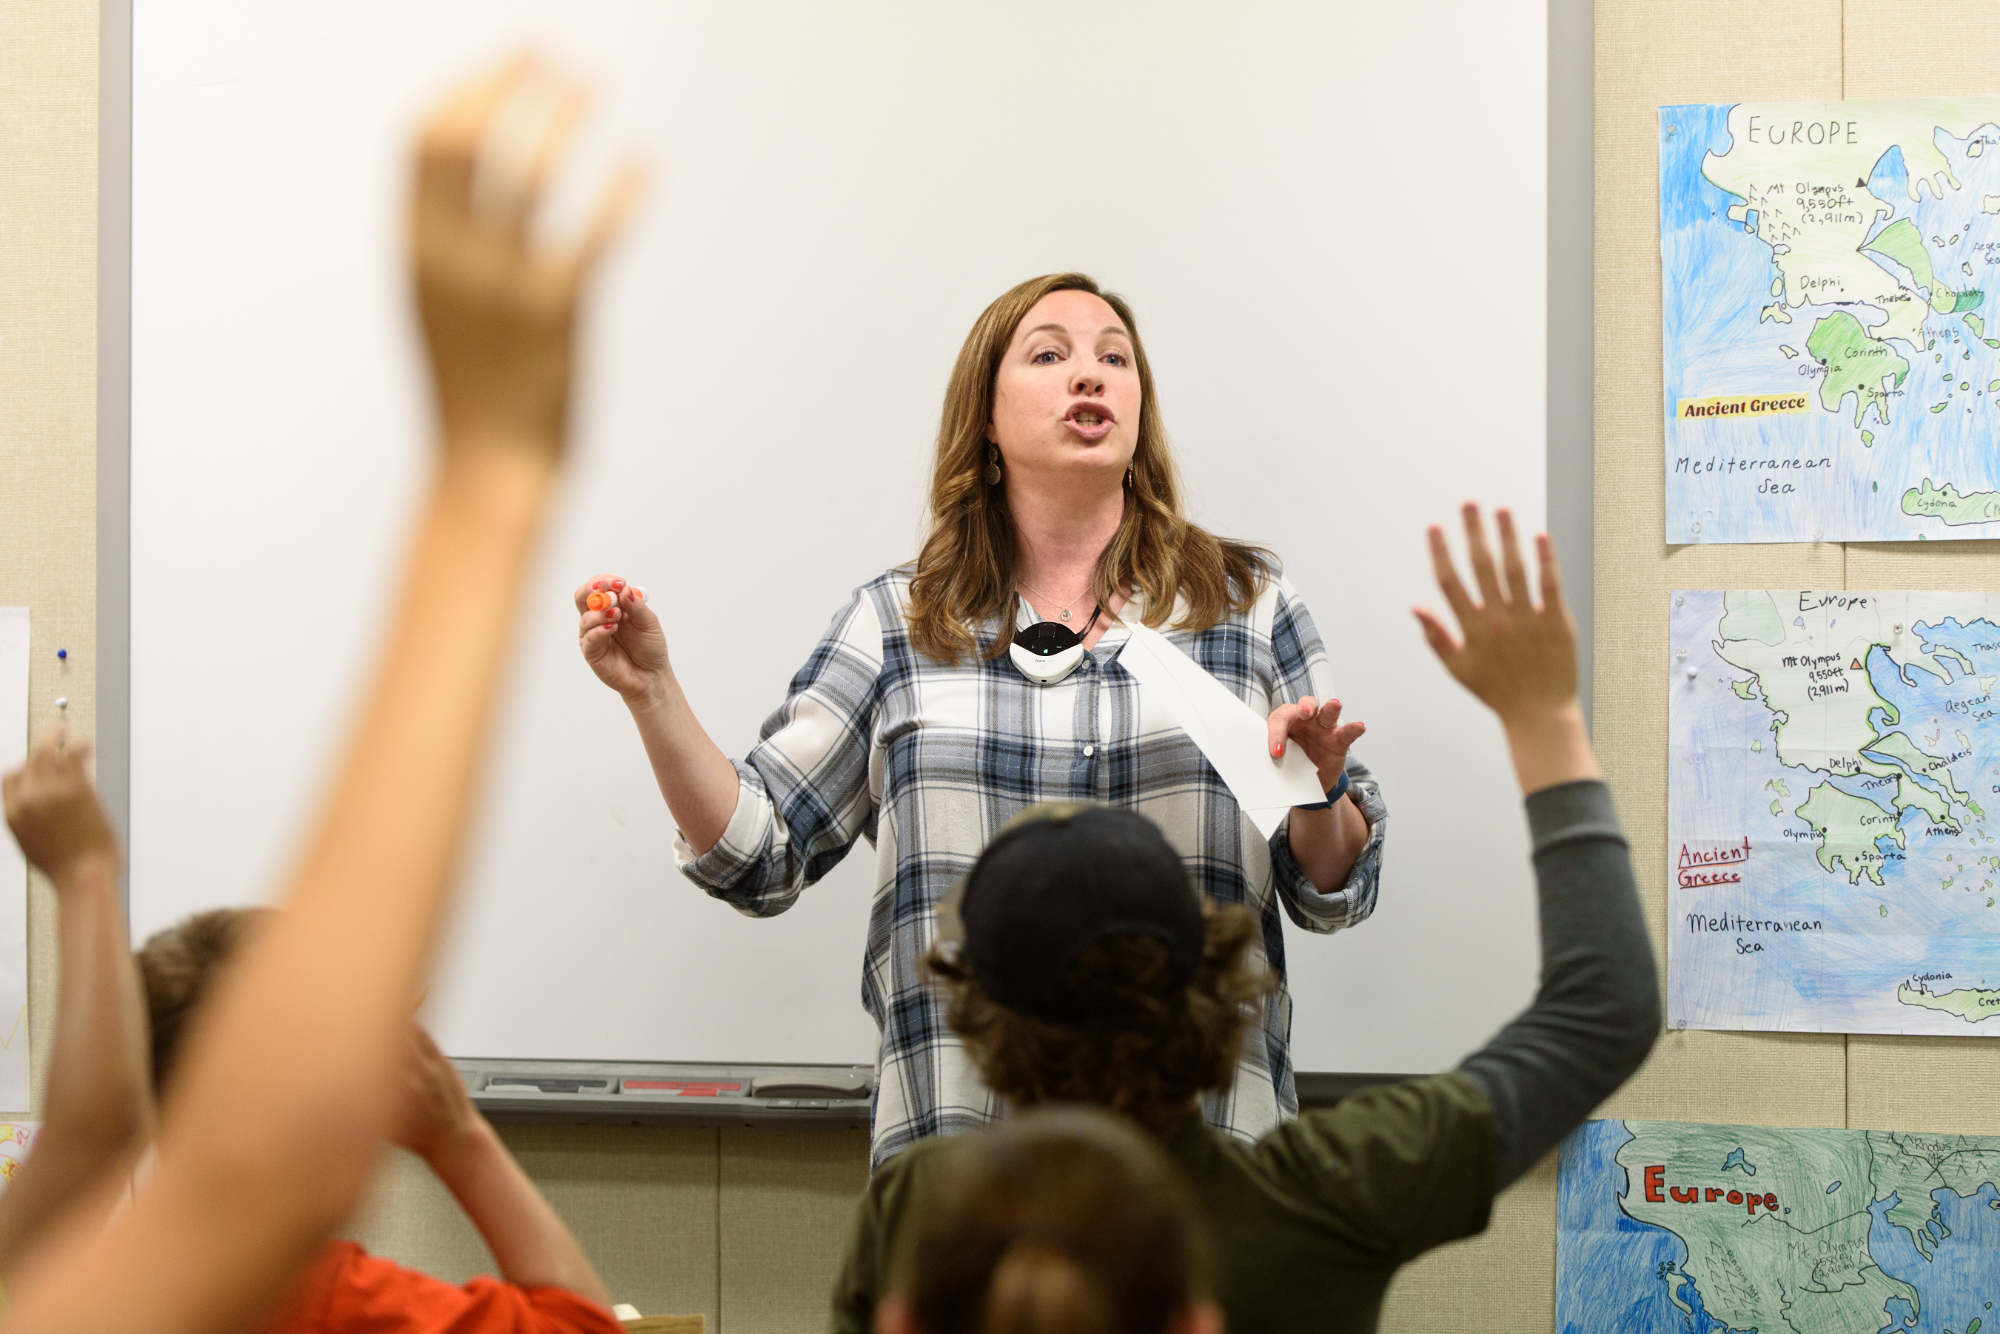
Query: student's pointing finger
[1447, 577]
[1510, 562]
[614, 209]
[558, 130]
[449, 138]
[1439, 638]
[1545, 556]
[1481, 557]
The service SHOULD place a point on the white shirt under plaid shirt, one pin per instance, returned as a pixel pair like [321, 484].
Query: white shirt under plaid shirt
[929, 761]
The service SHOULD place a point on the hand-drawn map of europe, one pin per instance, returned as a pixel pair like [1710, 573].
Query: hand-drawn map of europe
[1666, 1228]
[1832, 863]
[1829, 272]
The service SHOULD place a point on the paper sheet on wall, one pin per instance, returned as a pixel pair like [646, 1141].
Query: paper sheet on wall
[13, 870]
[1230, 733]
[1831, 858]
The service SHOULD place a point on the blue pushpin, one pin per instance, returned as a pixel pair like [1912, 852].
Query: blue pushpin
[62, 655]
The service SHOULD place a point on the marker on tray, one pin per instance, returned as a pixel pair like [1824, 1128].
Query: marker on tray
[548, 1084]
[684, 1088]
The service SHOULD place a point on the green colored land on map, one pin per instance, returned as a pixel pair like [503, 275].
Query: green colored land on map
[1972, 1004]
[1855, 364]
[1848, 827]
[1948, 506]
[1902, 243]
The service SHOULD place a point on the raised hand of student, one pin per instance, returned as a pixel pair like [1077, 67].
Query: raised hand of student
[96, 1109]
[621, 638]
[437, 1112]
[55, 814]
[1517, 658]
[498, 305]
[529, 1240]
[287, 1091]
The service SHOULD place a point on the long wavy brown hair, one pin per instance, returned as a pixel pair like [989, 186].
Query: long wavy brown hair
[1150, 1049]
[965, 572]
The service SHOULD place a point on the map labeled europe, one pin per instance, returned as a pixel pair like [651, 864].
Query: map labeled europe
[1831, 337]
[1834, 778]
[1669, 1228]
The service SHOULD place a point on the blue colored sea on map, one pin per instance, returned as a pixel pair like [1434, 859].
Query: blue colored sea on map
[1612, 1271]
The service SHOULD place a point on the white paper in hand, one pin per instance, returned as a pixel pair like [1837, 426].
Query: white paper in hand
[1234, 737]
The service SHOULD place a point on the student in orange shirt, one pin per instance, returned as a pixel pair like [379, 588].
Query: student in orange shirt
[546, 1284]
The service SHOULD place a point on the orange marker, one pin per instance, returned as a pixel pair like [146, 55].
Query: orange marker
[597, 602]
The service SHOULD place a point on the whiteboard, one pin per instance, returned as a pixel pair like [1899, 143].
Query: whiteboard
[1331, 221]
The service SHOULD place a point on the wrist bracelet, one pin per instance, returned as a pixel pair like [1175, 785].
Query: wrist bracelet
[1333, 794]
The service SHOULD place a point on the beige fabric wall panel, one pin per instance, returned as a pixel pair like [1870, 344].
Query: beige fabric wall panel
[1501, 1280]
[1649, 56]
[642, 1201]
[1897, 48]
[787, 1200]
[1943, 1085]
[48, 391]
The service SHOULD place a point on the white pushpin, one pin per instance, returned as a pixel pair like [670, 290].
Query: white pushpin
[62, 702]
[1693, 671]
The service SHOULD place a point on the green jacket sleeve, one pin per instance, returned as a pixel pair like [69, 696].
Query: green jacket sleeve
[871, 1241]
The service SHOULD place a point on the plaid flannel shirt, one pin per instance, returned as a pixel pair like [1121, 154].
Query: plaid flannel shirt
[929, 761]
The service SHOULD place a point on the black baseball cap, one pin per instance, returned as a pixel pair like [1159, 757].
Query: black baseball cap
[1056, 880]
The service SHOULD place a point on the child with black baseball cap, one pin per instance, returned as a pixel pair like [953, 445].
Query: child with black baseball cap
[1082, 967]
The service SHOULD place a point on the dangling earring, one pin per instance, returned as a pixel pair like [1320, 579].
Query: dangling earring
[1128, 477]
[993, 465]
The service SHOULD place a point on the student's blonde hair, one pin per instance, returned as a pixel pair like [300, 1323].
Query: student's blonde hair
[965, 571]
[177, 969]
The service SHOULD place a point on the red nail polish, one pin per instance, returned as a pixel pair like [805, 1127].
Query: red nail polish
[618, 583]
[597, 583]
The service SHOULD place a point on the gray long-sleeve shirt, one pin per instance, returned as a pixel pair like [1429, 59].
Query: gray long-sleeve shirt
[1597, 1010]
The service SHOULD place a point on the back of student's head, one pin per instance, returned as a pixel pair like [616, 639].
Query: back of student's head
[1063, 1221]
[1080, 966]
[178, 968]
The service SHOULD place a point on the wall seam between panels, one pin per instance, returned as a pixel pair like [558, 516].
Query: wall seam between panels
[1846, 1040]
[720, 1314]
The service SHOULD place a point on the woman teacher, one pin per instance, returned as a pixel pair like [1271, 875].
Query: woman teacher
[984, 678]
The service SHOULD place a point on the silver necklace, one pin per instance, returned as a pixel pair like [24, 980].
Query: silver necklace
[1063, 609]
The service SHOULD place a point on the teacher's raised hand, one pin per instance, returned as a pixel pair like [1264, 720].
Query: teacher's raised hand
[620, 637]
